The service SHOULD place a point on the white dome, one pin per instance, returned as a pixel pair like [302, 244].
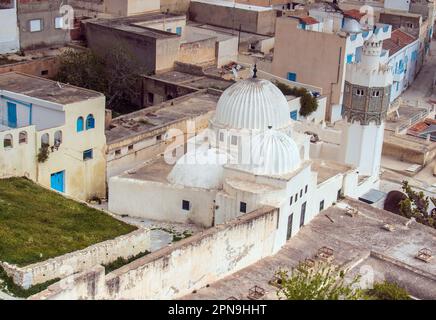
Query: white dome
[274, 153]
[252, 104]
[351, 26]
[200, 169]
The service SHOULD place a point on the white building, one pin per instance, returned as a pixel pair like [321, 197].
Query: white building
[253, 155]
[53, 133]
[9, 37]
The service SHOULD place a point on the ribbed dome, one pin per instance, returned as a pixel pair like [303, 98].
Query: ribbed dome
[252, 104]
[200, 169]
[274, 153]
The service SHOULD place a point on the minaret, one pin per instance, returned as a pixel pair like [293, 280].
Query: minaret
[366, 101]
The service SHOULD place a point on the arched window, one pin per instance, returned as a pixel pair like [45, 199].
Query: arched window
[45, 140]
[58, 138]
[79, 125]
[7, 141]
[22, 137]
[90, 122]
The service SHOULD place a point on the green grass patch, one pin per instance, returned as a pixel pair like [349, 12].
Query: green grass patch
[37, 224]
[122, 261]
[7, 285]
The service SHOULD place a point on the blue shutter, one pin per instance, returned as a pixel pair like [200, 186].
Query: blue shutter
[90, 122]
[12, 115]
[292, 76]
[79, 125]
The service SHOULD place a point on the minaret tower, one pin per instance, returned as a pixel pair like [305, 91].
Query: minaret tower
[366, 101]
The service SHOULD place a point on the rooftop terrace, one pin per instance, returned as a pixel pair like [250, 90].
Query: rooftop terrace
[44, 89]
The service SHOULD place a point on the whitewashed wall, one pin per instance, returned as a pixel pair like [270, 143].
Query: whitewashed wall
[9, 38]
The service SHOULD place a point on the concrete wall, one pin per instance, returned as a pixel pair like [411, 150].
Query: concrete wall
[44, 67]
[170, 272]
[121, 8]
[201, 52]
[144, 199]
[20, 159]
[320, 62]
[175, 6]
[49, 35]
[9, 37]
[262, 22]
[60, 267]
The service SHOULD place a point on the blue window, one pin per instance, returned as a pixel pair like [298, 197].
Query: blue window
[350, 58]
[398, 86]
[90, 122]
[294, 115]
[179, 31]
[12, 115]
[365, 34]
[79, 124]
[292, 76]
[87, 155]
[57, 181]
[169, 30]
[353, 37]
[386, 28]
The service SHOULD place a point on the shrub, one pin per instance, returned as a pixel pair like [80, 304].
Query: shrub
[387, 291]
[309, 103]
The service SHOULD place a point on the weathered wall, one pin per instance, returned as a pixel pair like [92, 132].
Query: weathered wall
[166, 90]
[44, 67]
[175, 6]
[9, 37]
[175, 271]
[201, 52]
[251, 21]
[101, 253]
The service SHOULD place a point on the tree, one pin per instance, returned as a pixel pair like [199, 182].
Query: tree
[309, 103]
[320, 282]
[416, 205]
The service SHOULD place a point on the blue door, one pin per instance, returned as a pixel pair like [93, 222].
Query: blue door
[12, 115]
[57, 181]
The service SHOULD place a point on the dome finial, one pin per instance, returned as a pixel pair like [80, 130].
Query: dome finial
[255, 71]
[270, 127]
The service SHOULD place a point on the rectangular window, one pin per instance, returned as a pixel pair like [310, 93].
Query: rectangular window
[290, 221]
[292, 76]
[118, 152]
[291, 201]
[179, 31]
[350, 58]
[243, 207]
[301, 193]
[294, 115]
[339, 194]
[296, 197]
[159, 137]
[234, 140]
[87, 155]
[44, 72]
[59, 22]
[169, 30]
[35, 25]
[305, 188]
[186, 205]
[221, 136]
[130, 147]
[303, 214]
[321, 205]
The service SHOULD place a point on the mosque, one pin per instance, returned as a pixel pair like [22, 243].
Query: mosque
[253, 155]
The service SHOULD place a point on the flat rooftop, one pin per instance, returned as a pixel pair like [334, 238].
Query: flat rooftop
[194, 81]
[327, 169]
[137, 24]
[231, 4]
[45, 89]
[358, 241]
[169, 112]
[156, 170]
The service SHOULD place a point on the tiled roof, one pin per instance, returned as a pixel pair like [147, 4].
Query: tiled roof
[308, 20]
[354, 13]
[399, 39]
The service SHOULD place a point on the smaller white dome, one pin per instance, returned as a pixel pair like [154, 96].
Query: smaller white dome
[351, 26]
[200, 169]
[274, 153]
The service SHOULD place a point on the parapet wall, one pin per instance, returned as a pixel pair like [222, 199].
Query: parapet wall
[177, 270]
[101, 253]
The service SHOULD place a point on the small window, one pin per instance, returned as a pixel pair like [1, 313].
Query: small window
[44, 73]
[7, 141]
[221, 136]
[58, 138]
[179, 31]
[130, 147]
[291, 201]
[301, 193]
[169, 30]
[79, 125]
[118, 152]
[359, 92]
[296, 197]
[243, 207]
[87, 155]
[305, 188]
[45, 139]
[35, 25]
[339, 194]
[376, 93]
[234, 140]
[186, 205]
[321, 205]
[59, 23]
[90, 122]
[159, 137]
[22, 137]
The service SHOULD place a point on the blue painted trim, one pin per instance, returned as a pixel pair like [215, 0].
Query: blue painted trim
[26, 104]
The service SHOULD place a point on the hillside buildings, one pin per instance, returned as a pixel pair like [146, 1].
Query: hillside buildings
[9, 36]
[53, 133]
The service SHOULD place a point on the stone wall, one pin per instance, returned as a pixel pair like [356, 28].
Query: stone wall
[78, 261]
[177, 270]
[45, 67]
[198, 52]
